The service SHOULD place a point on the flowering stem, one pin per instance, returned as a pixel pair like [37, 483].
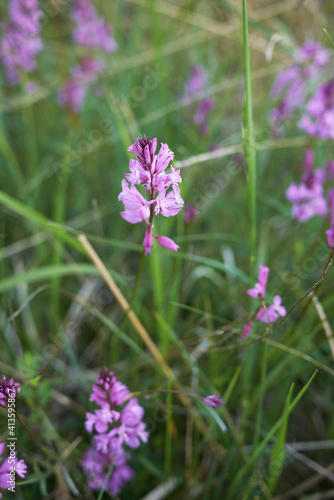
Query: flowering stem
[111, 468]
[139, 273]
[250, 154]
[261, 396]
[249, 143]
[135, 288]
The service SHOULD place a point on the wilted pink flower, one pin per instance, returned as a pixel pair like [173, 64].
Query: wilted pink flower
[167, 243]
[116, 426]
[272, 312]
[260, 287]
[149, 170]
[215, 401]
[6, 467]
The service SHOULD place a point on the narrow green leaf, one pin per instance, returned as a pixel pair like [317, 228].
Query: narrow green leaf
[249, 464]
[277, 456]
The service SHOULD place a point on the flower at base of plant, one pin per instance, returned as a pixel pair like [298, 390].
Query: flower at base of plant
[6, 467]
[215, 401]
[272, 313]
[259, 289]
[118, 424]
[8, 389]
[149, 171]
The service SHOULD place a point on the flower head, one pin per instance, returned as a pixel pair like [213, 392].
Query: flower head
[118, 424]
[91, 31]
[149, 171]
[8, 389]
[318, 120]
[215, 401]
[292, 85]
[307, 198]
[6, 467]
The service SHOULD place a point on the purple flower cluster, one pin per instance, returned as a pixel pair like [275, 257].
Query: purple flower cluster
[293, 84]
[90, 30]
[308, 197]
[8, 389]
[318, 120]
[8, 466]
[149, 170]
[196, 83]
[92, 33]
[118, 423]
[21, 41]
[266, 314]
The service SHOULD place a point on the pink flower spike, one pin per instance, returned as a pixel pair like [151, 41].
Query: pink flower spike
[167, 243]
[148, 240]
[247, 330]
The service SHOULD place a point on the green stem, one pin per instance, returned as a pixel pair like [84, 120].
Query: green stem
[250, 154]
[140, 272]
[134, 292]
[249, 144]
[261, 395]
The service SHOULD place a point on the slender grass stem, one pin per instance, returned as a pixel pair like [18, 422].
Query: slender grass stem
[261, 395]
[250, 154]
[249, 140]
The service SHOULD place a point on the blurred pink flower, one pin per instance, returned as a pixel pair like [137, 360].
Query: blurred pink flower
[259, 289]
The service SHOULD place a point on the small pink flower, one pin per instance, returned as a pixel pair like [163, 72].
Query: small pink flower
[215, 401]
[260, 287]
[272, 312]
